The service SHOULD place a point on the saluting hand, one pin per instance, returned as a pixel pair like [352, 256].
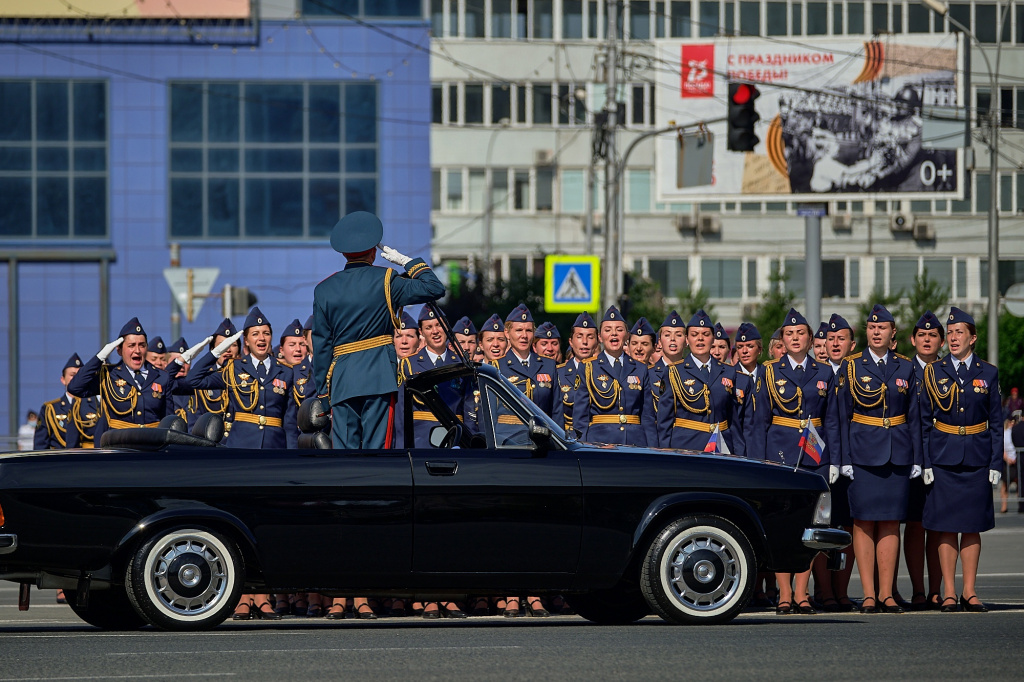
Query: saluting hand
[194, 350]
[227, 343]
[395, 257]
[928, 477]
[109, 348]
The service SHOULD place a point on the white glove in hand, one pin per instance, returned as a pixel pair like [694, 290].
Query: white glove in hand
[994, 476]
[109, 348]
[847, 471]
[194, 350]
[915, 471]
[833, 474]
[928, 477]
[226, 343]
[395, 257]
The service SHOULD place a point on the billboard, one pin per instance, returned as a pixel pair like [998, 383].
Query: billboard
[125, 9]
[838, 116]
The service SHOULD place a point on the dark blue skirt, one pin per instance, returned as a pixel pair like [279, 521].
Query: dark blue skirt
[841, 502]
[915, 505]
[880, 493]
[960, 501]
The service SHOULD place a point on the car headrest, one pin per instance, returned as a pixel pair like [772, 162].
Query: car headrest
[314, 441]
[151, 439]
[174, 423]
[310, 419]
[209, 426]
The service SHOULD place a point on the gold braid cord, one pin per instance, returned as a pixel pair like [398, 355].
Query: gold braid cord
[863, 396]
[108, 396]
[774, 398]
[50, 415]
[81, 423]
[936, 395]
[396, 316]
[228, 374]
[611, 395]
[691, 403]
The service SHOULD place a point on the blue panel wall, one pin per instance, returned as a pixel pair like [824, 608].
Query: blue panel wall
[59, 307]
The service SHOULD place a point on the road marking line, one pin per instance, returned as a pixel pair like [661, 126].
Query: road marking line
[115, 677]
[193, 652]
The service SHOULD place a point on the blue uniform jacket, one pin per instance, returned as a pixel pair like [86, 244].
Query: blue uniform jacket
[66, 423]
[120, 398]
[974, 403]
[538, 381]
[565, 380]
[455, 396]
[245, 395]
[603, 392]
[861, 382]
[682, 390]
[304, 385]
[753, 421]
[352, 306]
[786, 394]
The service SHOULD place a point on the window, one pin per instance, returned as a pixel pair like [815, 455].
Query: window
[902, 272]
[798, 19]
[1010, 272]
[837, 18]
[499, 190]
[961, 278]
[960, 11]
[639, 20]
[474, 112]
[639, 191]
[501, 102]
[795, 276]
[680, 26]
[454, 202]
[543, 19]
[363, 8]
[501, 18]
[435, 190]
[879, 18]
[545, 188]
[270, 160]
[53, 159]
[673, 276]
[541, 104]
[751, 278]
[571, 111]
[833, 278]
[436, 17]
[939, 270]
[855, 17]
[708, 19]
[573, 191]
[521, 190]
[776, 18]
[437, 103]
[750, 18]
[474, 19]
[987, 22]
[722, 277]
[477, 190]
[572, 19]
[817, 18]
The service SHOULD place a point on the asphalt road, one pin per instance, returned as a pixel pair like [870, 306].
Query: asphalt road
[50, 643]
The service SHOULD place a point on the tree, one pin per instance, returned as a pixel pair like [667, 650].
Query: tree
[926, 294]
[643, 299]
[771, 311]
[1011, 348]
[691, 300]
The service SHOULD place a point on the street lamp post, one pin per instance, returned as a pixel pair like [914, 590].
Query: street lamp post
[489, 212]
[942, 9]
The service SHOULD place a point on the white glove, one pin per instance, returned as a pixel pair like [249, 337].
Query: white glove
[187, 356]
[847, 471]
[226, 343]
[928, 477]
[915, 471]
[833, 474]
[395, 257]
[994, 476]
[109, 348]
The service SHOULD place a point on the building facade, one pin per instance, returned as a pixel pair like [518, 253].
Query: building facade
[241, 147]
[521, 82]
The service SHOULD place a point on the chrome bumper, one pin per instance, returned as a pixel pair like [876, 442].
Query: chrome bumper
[825, 538]
[8, 543]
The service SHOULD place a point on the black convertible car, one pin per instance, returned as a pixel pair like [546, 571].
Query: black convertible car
[163, 527]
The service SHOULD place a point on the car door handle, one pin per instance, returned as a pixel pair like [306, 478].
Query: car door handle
[442, 468]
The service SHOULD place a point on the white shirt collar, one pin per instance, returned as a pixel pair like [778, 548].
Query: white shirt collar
[576, 363]
[432, 355]
[611, 359]
[752, 373]
[520, 358]
[876, 358]
[967, 361]
[71, 398]
[920, 361]
[835, 366]
[700, 365]
[793, 364]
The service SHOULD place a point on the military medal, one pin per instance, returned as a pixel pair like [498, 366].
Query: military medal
[781, 383]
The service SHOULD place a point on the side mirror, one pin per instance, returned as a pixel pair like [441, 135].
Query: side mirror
[540, 435]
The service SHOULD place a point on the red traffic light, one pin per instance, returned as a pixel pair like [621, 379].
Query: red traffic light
[743, 94]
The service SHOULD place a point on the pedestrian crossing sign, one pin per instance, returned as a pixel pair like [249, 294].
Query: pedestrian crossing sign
[572, 284]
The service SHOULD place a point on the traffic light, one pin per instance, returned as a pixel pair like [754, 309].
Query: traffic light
[742, 117]
[236, 300]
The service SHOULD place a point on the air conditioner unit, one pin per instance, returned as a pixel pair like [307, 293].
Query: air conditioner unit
[709, 224]
[923, 231]
[842, 222]
[901, 222]
[685, 222]
[543, 157]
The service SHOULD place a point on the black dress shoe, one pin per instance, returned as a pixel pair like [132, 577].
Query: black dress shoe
[804, 608]
[243, 615]
[452, 611]
[269, 614]
[933, 601]
[918, 605]
[952, 607]
[784, 608]
[368, 614]
[847, 606]
[432, 615]
[535, 608]
[885, 607]
[332, 614]
[976, 607]
[867, 608]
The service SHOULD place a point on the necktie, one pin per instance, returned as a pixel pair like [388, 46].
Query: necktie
[261, 372]
[705, 372]
[961, 371]
[800, 368]
[881, 364]
[616, 363]
[437, 361]
[526, 364]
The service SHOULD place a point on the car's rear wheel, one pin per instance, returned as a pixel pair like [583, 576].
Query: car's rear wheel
[107, 609]
[620, 605]
[185, 579]
[699, 570]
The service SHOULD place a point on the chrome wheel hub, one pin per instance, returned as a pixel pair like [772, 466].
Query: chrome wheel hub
[188, 575]
[702, 570]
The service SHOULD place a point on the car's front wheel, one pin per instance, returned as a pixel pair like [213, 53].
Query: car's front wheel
[185, 579]
[107, 609]
[699, 570]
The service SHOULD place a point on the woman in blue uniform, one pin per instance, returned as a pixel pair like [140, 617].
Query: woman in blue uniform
[961, 419]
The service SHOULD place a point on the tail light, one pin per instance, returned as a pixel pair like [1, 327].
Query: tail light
[1, 515]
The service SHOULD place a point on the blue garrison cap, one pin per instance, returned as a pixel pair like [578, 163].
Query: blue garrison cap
[520, 314]
[930, 321]
[584, 321]
[880, 314]
[308, 327]
[613, 315]
[256, 318]
[226, 328]
[156, 345]
[132, 326]
[406, 321]
[720, 332]
[794, 319]
[822, 332]
[546, 330]
[642, 328]
[493, 324]
[464, 326]
[293, 329]
[357, 232]
[956, 315]
[700, 319]
[426, 313]
[838, 323]
[748, 332]
[673, 320]
[179, 346]
[73, 361]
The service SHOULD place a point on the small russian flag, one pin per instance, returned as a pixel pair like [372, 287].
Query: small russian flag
[717, 444]
[811, 443]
